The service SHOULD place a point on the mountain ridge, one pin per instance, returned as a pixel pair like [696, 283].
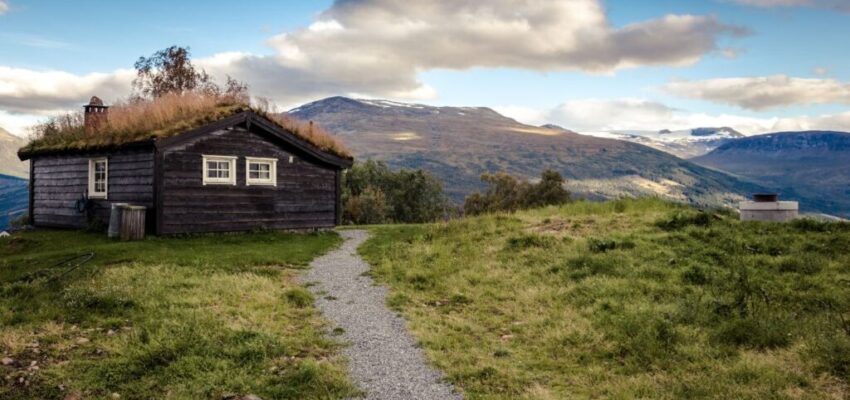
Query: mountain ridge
[460, 143]
[810, 164]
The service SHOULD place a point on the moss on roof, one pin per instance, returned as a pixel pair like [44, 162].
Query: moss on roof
[141, 121]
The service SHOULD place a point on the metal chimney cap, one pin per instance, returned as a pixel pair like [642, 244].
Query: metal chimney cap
[95, 101]
[766, 197]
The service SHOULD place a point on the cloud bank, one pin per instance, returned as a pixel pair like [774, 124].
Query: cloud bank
[761, 93]
[604, 115]
[840, 5]
[379, 47]
[4, 7]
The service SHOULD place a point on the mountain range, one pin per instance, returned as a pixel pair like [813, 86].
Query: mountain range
[10, 164]
[814, 166]
[458, 144]
[685, 144]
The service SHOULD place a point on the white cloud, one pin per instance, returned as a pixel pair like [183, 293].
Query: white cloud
[46, 92]
[378, 48]
[17, 124]
[822, 71]
[760, 93]
[841, 5]
[4, 7]
[602, 115]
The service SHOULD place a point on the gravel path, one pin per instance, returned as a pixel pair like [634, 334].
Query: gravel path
[383, 358]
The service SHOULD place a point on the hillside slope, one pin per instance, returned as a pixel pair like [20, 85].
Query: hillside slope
[812, 165]
[13, 198]
[460, 143]
[10, 164]
[629, 299]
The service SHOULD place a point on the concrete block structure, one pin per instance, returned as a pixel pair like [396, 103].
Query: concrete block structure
[767, 207]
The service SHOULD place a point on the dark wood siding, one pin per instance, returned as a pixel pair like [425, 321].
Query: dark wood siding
[59, 181]
[305, 196]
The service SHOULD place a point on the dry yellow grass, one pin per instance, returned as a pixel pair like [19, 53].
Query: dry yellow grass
[140, 120]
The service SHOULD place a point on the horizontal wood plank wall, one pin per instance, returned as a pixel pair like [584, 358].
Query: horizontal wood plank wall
[62, 180]
[304, 198]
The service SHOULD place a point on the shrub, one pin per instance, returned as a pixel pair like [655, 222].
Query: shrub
[684, 219]
[525, 241]
[298, 297]
[605, 245]
[370, 207]
[19, 221]
[755, 331]
[695, 275]
[372, 193]
[831, 354]
[803, 264]
[584, 266]
[508, 193]
[642, 337]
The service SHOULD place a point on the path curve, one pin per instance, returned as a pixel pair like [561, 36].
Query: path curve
[383, 358]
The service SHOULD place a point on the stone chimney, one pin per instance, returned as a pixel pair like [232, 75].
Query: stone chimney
[96, 114]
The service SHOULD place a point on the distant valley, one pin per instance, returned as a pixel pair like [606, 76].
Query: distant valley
[460, 143]
[13, 199]
[813, 165]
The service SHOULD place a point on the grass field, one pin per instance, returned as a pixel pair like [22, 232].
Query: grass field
[626, 299]
[179, 318]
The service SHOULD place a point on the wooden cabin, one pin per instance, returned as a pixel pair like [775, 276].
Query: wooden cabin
[238, 173]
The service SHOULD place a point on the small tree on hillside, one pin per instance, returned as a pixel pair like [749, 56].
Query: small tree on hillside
[507, 193]
[550, 190]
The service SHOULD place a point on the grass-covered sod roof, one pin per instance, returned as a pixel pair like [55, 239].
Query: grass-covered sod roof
[142, 120]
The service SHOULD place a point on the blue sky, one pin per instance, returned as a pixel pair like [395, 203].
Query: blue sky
[54, 53]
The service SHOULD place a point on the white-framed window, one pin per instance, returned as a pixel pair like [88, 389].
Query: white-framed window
[260, 171]
[219, 170]
[98, 178]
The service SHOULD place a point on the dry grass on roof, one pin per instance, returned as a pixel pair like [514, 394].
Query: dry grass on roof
[136, 121]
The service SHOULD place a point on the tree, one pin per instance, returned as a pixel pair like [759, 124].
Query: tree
[170, 70]
[507, 193]
[416, 196]
[409, 195]
[368, 207]
[550, 190]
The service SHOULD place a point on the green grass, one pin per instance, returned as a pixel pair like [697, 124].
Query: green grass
[625, 299]
[172, 318]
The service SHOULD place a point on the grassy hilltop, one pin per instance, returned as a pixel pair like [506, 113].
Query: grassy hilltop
[625, 299]
[165, 318]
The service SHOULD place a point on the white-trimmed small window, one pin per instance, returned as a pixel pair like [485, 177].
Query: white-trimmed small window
[219, 170]
[98, 178]
[260, 171]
